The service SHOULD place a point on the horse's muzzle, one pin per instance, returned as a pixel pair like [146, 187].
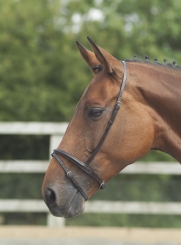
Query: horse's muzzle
[73, 203]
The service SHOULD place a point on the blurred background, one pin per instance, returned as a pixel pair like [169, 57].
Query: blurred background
[42, 77]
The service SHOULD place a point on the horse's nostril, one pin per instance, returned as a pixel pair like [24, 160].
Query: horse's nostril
[50, 197]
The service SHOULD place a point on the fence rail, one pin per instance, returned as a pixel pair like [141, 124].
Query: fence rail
[47, 128]
[24, 166]
[56, 131]
[38, 206]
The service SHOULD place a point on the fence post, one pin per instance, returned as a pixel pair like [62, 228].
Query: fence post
[53, 221]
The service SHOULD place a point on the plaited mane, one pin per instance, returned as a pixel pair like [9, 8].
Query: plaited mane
[172, 65]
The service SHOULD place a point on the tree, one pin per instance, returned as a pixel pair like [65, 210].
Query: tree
[35, 63]
[42, 75]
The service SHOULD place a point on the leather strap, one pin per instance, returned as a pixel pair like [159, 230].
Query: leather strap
[70, 176]
[84, 166]
[110, 122]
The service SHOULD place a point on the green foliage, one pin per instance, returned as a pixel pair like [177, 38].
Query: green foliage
[124, 220]
[42, 75]
[153, 156]
[33, 147]
[23, 218]
[35, 64]
[27, 186]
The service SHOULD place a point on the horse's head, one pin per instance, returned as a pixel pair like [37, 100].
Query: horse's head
[125, 142]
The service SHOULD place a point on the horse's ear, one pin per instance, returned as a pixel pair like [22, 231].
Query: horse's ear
[103, 56]
[89, 57]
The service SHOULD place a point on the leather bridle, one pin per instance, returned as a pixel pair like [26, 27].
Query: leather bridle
[84, 166]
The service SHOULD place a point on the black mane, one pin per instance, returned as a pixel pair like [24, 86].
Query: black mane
[155, 62]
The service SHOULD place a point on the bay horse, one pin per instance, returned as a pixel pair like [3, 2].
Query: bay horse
[128, 108]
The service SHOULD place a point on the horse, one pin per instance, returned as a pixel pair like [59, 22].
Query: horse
[129, 108]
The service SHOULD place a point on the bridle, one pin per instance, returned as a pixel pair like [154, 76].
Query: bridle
[84, 166]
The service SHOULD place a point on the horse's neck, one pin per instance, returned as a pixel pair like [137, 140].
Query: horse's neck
[161, 90]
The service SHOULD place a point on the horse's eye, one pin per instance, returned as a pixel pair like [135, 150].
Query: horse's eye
[97, 69]
[95, 112]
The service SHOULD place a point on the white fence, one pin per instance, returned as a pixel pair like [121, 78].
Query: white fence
[56, 131]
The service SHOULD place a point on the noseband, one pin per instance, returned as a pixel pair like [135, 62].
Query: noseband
[84, 166]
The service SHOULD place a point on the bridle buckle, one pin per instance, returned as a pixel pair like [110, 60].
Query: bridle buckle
[69, 174]
[118, 104]
[102, 185]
